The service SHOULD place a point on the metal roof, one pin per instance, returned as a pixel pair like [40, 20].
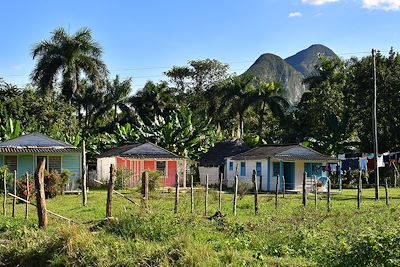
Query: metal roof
[216, 155]
[18, 150]
[283, 152]
[34, 140]
[36, 143]
[139, 150]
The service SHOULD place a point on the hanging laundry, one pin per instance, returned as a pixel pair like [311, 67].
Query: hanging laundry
[345, 165]
[386, 158]
[381, 163]
[370, 164]
[363, 164]
[354, 164]
[371, 155]
[341, 156]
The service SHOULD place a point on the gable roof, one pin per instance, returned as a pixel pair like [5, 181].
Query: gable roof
[216, 155]
[283, 152]
[140, 150]
[36, 143]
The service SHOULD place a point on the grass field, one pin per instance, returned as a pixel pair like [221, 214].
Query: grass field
[287, 236]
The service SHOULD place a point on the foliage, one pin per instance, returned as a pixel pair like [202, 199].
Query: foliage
[243, 189]
[154, 180]
[54, 183]
[22, 187]
[123, 176]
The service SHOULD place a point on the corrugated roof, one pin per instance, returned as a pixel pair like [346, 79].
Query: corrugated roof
[28, 150]
[35, 140]
[216, 155]
[145, 150]
[283, 152]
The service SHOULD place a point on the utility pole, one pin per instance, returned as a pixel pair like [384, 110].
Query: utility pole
[375, 131]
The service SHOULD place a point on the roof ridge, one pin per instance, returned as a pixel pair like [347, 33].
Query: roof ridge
[61, 143]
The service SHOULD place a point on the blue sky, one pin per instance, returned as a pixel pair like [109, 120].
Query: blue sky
[142, 39]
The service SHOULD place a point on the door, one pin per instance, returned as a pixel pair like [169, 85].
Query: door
[289, 173]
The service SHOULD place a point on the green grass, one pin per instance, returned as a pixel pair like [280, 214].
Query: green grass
[287, 236]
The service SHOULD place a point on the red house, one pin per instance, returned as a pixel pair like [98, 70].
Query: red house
[138, 158]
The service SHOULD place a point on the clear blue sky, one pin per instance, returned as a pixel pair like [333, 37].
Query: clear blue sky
[141, 39]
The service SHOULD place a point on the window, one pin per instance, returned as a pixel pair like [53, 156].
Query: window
[258, 169]
[231, 166]
[55, 164]
[275, 169]
[161, 167]
[11, 163]
[242, 168]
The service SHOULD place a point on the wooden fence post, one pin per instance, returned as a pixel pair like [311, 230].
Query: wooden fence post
[254, 178]
[283, 186]
[220, 191]
[191, 194]
[315, 191]
[145, 189]
[386, 193]
[27, 195]
[206, 197]
[276, 191]
[304, 190]
[235, 194]
[359, 191]
[40, 195]
[15, 193]
[5, 193]
[110, 191]
[176, 209]
[260, 182]
[328, 199]
[84, 175]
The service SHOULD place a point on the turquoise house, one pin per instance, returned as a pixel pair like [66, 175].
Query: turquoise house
[23, 154]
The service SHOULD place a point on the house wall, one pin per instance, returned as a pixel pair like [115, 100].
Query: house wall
[25, 164]
[213, 175]
[103, 168]
[72, 162]
[268, 180]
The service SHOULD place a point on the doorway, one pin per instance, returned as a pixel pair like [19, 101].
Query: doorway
[289, 173]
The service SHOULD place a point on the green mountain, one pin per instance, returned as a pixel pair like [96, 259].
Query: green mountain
[290, 72]
[271, 68]
[305, 60]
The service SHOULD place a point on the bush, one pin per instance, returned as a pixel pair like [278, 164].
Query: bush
[123, 176]
[243, 189]
[154, 180]
[54, 183]
[22, 188]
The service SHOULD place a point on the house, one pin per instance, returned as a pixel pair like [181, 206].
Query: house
[141, 157]
[213, 162]
[288, 161]
[23, 154]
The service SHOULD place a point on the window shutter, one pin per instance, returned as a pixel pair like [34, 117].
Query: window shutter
[55, 164]
[11, 163]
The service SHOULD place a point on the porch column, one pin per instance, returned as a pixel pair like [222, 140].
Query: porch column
[269, 174]
[280, 175]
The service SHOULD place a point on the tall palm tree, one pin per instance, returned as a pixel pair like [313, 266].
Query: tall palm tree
[68, 56]
[267, 95]
[237, 96]
[119, 94]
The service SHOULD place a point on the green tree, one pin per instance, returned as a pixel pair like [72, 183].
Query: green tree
[70, 56]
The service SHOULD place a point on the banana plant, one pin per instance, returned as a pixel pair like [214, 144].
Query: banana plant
[11, 130]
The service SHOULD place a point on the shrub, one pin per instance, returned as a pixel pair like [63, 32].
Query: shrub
[123, 176]
[22, 188]
[64, 177]
[154, 180]
[243, 189]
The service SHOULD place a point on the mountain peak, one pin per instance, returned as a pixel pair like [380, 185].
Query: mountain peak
[305, 60]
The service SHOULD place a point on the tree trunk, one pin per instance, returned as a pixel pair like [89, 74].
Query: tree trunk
[241, 125]
[40, 196]
[261, 120]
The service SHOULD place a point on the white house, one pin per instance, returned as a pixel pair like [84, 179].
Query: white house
[269, 161]
[213, 163]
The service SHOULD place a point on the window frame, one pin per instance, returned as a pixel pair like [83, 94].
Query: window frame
[230, 165]
[16, 162]
[258, 169]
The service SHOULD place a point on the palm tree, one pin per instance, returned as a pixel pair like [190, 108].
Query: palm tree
[68, 56]
[237, 96]
[119, 94]
[268, 96]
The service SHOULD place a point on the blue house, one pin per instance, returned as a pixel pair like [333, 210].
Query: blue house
[23, 154]
[288, 161]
